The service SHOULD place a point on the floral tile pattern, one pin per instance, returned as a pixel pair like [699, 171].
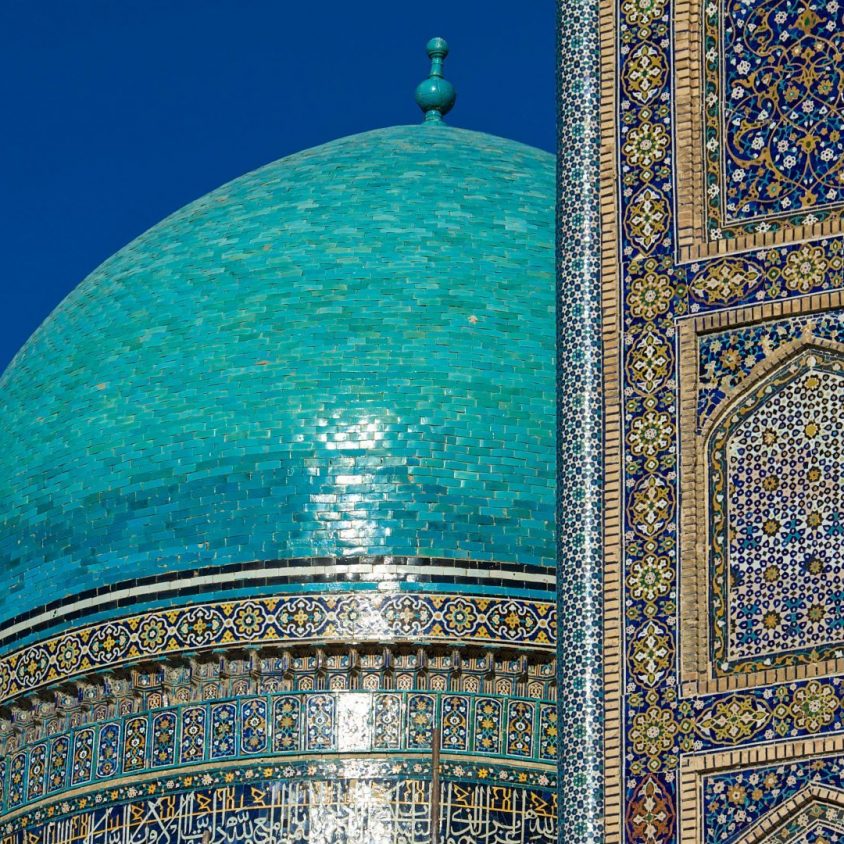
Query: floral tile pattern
[774, 103]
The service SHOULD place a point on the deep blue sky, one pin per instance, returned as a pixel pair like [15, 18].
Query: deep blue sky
[118, 112]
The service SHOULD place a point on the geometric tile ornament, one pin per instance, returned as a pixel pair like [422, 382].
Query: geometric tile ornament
[754, 459]
[687, 237]
[240, 729]
[728, 357]
[776, 492]
[763, 795]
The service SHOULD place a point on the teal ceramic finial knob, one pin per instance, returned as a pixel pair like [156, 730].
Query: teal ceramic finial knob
[435, 96]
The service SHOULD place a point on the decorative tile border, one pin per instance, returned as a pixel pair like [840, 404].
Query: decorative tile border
[318, 722]
[261, 576]
[467, 786]
[290, 619]
[580, 423]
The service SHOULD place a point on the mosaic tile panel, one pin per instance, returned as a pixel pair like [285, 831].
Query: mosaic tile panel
[164, 739]
[774, 114]
[736, 800]
[135, 745]
[301, 723]
[287, 726]
[375, 418]
[454, 718]
[254, 731]
[520, 715]
[14, 793]
[83, 757]
[778, 515]
[420, 720]
[59, 756]
[367, 802]
[192, 726]
[108, 750]
[223, 730]
[380, 617]
[36, 771]
[388, 722]
[320, 730]
[488, 725]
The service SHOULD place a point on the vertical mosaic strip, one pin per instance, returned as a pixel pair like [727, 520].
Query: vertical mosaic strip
[37, 771]
[520, 717]
[488, 725]
[193, 740]
[420, 721]
[108, 751]
[59, 755]
[579, 427]
[387, 729]
[454, 719]
[135, 745]
[83, 757]
[17, 778]
[321, 719]
[548, 732]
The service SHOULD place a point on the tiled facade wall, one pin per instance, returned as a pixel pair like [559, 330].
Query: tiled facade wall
[722, 312]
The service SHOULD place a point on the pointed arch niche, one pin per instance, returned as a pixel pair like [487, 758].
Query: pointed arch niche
[762, 494]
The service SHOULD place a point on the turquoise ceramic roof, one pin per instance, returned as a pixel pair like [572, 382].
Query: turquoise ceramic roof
[348, 351]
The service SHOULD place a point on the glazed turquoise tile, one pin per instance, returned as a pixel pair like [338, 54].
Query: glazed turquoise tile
[349, 351]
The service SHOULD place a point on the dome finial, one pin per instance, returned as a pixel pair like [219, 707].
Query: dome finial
[435, 96]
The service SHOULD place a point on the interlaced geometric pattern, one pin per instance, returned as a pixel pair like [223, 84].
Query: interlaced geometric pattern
[778, 514]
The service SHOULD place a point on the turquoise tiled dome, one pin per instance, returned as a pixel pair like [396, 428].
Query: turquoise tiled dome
[347, 352]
